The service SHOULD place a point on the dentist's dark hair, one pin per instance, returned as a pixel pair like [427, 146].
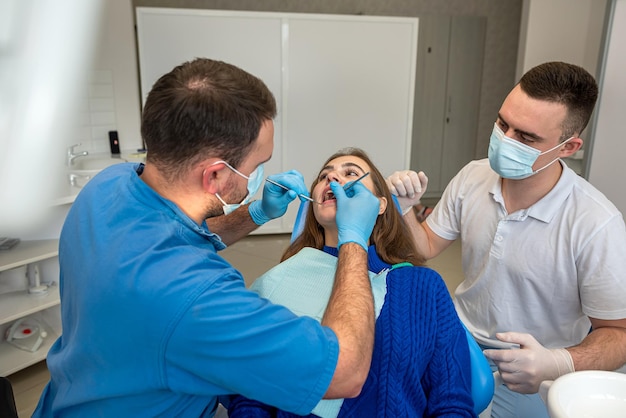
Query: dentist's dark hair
[201, 109]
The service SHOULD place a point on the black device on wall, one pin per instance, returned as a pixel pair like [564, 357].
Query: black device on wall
[114, 142]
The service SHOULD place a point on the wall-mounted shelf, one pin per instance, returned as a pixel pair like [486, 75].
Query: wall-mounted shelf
[67, 199]
[16, 302]
[27, 252]
[16, 305]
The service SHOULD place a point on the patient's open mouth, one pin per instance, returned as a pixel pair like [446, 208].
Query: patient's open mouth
[328, 195]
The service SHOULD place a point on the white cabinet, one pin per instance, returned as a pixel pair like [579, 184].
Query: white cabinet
[35, 308]
[339, 80]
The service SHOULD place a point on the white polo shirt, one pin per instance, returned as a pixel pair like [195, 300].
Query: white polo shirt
[541, 270]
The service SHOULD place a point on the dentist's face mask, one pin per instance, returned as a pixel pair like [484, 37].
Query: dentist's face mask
[513, 160]
[254, 183]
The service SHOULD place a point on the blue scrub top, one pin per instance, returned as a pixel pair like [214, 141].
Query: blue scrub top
[156, 323]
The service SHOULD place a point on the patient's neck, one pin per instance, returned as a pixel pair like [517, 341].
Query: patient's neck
[331, 237]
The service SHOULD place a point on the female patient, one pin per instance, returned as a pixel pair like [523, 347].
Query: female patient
[420, 365]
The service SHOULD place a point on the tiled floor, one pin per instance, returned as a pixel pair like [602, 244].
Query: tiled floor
[252, 256]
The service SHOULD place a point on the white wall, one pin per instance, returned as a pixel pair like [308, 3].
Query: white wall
[561, 30]
[609, 147]
[116, 61]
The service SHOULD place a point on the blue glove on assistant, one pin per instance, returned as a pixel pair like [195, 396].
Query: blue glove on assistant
[356, 215]
[275, 198]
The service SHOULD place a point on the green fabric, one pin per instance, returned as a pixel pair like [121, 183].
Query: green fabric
[405, 264]
[303, 283]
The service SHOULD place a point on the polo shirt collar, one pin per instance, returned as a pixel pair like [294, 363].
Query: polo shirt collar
[149, 197]
[551, 204]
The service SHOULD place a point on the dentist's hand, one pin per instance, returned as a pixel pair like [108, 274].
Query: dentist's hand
[408, 186]
[522, 370]
[356, 215]
[276, 199]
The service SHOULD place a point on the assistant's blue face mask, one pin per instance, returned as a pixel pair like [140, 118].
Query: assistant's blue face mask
[254, 183]
[513, 160]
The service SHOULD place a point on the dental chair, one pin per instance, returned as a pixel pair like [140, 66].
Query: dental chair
[482, 377]
[7, 400]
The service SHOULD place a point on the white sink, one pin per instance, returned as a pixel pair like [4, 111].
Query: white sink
[94, 163]
[588, 394]
[84, 168]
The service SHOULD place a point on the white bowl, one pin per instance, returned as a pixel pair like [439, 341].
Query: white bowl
[588, 394]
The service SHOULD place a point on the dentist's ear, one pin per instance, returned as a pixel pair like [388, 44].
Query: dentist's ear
[211, 178]
[383, 205]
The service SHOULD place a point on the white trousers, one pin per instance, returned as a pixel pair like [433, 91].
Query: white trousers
[509, 404]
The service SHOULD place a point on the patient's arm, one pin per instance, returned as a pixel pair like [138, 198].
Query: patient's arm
[350, 314]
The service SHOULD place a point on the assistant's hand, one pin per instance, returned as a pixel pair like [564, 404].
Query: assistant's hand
[276, 199]
[356, 215]
[408, 186]
[522, 370]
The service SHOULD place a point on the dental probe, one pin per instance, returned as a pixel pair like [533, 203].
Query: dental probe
[303, 196]
[349, 185]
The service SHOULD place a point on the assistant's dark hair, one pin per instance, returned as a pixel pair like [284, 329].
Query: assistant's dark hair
[567, 84]
[203, 108]
[390, 234]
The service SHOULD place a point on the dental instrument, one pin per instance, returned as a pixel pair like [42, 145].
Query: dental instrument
[349, 185]
[346, 187]
[303, 196]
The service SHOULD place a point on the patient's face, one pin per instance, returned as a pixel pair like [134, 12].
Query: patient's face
[342, 170]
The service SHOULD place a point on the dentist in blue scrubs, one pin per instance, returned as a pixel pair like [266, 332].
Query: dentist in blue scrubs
[155, 321]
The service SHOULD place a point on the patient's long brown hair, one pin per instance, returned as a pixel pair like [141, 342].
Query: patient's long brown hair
[390, 235]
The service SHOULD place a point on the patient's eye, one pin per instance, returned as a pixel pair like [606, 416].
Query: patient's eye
[352, 172]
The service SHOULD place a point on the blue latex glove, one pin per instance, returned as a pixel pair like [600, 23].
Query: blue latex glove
[356, 214]
[276, 199]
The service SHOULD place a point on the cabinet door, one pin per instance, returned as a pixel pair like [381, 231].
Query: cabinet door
[350, 83]
[465, 66]
[449, 73]
[430, 99]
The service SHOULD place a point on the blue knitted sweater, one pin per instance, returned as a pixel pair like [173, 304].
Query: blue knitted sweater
[420, 365]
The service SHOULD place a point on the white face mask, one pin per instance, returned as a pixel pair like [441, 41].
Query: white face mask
[513, 160]
[254, 183]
